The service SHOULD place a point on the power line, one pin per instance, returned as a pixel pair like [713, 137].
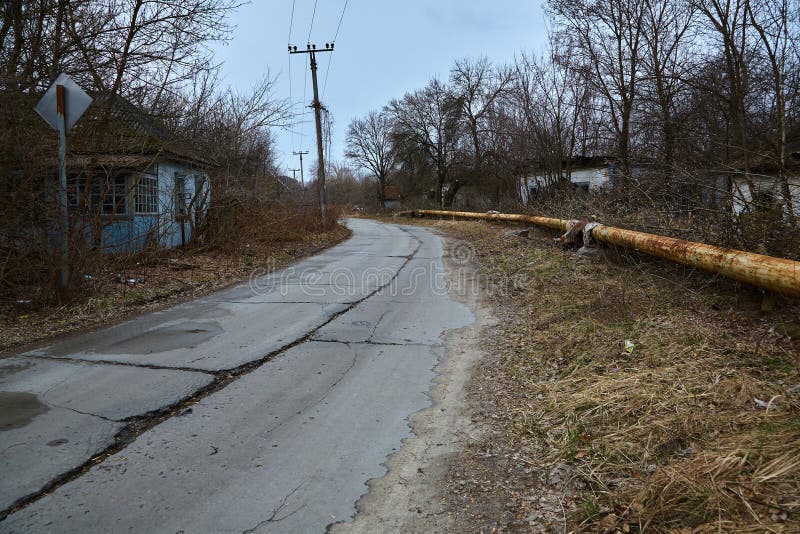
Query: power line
[330, 58]
[327, 71]
[291, 22]
[303, 125]
[291, 98]
[341, 17]
[313, 15]
[305, 87]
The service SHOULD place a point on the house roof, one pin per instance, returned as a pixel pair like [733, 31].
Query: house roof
[113, 132]
[391, 192]
[576, 162]
[766, 162]
[114, 126]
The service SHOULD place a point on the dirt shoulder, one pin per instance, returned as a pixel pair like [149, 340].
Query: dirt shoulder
[413, 496]
[622, 394]
[127, 287]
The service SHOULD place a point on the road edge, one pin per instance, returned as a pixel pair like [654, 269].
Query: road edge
[411, 496]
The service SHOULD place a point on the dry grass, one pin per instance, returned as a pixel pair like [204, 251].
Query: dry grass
[696, 429]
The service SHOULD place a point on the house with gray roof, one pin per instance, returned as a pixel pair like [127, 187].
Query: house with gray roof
[131, 184]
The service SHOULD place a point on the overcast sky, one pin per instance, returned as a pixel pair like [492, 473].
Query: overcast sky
[384, 49]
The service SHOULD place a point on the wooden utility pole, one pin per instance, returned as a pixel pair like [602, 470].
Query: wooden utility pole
[294, 174]
[302, 179]
[322, 194]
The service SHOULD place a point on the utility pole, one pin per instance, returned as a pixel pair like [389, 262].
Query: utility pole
[302, 180]
[322, 195]
[294, 174]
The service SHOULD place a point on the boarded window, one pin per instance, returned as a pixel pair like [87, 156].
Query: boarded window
[146, 197]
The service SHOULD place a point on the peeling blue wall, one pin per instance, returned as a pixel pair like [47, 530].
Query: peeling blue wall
[132, 232]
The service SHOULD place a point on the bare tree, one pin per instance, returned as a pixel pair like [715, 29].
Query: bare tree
[727, 21]
[772, 19]
[429, 119]
[552, 94]
[666, 65]
[479, 89]
[609, 34]
[369, 146]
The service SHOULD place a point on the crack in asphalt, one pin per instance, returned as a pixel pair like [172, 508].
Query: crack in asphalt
[3, 452]
[377, 324]
[324, 395]
[137, 425]
[273, 518]
[118, 363]
[87, 413]
[379, 343]
[338, 380]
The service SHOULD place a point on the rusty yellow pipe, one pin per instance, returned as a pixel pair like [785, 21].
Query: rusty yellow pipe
[547, 222]
[774, 274]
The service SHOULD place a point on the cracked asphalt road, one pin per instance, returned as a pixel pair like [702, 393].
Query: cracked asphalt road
[329, 359]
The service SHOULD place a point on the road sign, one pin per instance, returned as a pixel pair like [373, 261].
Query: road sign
[76, 101]
[61, 107]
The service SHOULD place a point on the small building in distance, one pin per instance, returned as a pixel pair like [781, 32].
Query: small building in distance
[391, 197]
[768, 187]
[591, 174]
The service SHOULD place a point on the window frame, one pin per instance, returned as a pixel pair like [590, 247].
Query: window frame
[98, 194]
[146, 195]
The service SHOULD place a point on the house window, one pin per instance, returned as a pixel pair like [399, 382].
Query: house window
[109, 197]
[146, 198]
[98, 194]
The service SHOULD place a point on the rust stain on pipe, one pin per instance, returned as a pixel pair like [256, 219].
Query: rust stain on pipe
[775, 274]
[547, 222]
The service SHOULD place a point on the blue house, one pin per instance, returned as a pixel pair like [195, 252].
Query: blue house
[135, 185]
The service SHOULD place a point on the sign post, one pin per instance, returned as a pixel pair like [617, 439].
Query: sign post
[61, 107]
[63, 212]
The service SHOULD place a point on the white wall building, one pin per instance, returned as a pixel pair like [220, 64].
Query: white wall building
[592, 178]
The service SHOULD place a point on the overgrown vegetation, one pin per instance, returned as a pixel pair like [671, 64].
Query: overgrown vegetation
[625, 395]
[688, 109]
[157, 101]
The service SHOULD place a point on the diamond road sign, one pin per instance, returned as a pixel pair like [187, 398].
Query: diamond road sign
[76, 101]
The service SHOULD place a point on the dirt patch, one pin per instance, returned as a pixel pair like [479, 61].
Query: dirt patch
[626, 394]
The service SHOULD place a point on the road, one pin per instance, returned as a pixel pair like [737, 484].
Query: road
[265, 408]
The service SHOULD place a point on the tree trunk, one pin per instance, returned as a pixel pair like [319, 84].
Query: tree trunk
[451, 194]
[382, 193]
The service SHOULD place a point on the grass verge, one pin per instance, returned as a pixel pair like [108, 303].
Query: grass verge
[623, 394]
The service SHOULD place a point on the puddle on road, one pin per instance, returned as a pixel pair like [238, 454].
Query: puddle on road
[8, 370]
[18, 409]
[184, 335]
